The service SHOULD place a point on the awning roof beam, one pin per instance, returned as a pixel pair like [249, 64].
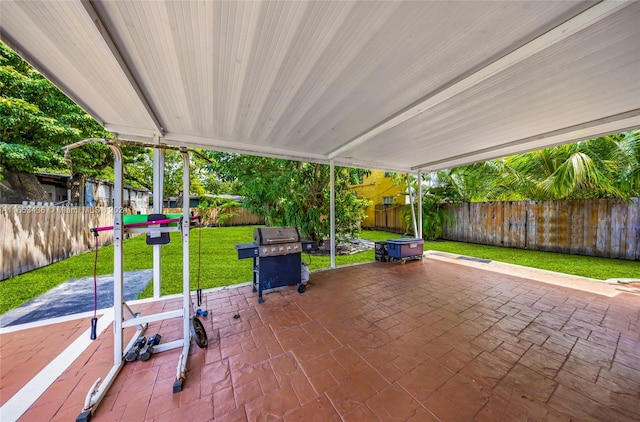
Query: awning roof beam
[94, 17]
[546, 40]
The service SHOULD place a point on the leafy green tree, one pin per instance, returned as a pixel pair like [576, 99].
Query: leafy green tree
[224, 208]
[37, 119]
[434, 215]
[291, 193]
[139, 170]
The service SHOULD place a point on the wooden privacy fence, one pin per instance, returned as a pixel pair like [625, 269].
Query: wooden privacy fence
[389, 217]
[35, 236]
[596, 227]
[241, 217]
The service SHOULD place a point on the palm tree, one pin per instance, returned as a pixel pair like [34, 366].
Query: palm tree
[470, 183]
[604, 167]
[628, 179]
[598, 168]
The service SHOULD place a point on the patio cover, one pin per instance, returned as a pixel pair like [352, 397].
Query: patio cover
[406, 86]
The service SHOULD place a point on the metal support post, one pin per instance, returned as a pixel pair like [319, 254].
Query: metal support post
[118, 256]
[413, 211]
[419, 236]
[158, 187]
[332, 211]
[186, 293]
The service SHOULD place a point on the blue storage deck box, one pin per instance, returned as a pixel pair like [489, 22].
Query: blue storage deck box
[405, 248]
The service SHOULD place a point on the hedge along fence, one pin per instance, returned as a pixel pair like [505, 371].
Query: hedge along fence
[34, 236]
[597, 227]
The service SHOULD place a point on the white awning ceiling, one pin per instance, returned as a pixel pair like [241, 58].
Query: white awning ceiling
[407, 86]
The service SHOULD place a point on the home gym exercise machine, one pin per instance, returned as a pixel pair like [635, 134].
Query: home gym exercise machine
[157, 230]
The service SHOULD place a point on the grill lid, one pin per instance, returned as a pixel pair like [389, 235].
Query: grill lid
[275, 235]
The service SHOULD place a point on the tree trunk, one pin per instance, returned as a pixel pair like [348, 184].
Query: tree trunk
[20, 186]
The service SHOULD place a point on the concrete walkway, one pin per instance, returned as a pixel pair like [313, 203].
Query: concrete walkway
[74, 297]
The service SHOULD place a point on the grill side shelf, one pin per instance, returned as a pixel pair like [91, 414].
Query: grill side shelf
[247, 250]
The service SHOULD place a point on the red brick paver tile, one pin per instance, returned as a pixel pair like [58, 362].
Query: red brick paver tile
[394, 404]
[425, 379]
[423, 341]
[319, 409]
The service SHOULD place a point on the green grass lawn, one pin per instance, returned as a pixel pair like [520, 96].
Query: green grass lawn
[220, 266]
[585, 266]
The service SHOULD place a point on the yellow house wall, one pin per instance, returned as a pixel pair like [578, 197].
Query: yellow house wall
[374, 187]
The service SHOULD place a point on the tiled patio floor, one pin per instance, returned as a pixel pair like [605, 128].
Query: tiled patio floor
[424, 341]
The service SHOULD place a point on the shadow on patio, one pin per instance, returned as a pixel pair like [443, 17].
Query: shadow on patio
[430, 340]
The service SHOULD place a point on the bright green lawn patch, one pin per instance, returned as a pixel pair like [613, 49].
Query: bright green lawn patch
[584, 266]
[220, 266]
[378, 236]
[219, 263]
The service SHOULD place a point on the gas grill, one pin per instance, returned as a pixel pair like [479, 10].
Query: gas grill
[276, 257]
